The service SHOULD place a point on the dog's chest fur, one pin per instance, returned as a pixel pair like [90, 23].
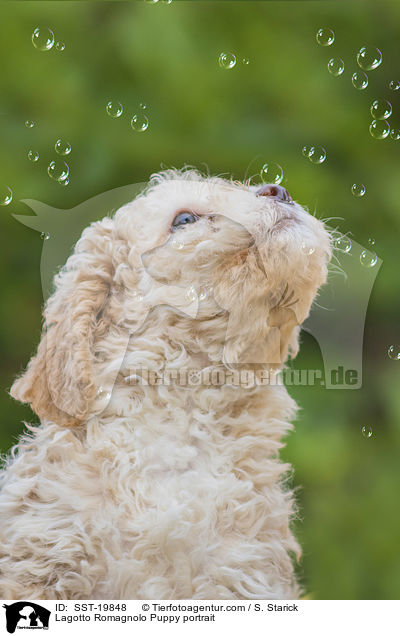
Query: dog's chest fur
[172, 503]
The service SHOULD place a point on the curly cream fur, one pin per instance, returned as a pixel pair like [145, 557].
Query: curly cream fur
[163, 491]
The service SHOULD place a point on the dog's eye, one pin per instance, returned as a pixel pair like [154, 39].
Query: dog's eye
[183, 218]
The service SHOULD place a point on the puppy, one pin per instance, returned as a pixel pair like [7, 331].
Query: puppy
[131, 489]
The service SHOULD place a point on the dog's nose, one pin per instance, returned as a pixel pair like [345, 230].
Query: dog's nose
[275, 191]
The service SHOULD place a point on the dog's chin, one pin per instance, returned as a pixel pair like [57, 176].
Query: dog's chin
[300, 237]
[286, 222]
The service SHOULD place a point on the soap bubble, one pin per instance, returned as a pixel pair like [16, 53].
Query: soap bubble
[191, 294]
[65, 182]
[62, 147]
[103, 394]
[43, 39]
[368, 259]
[114, 109]
[343, 244]
[394, 352]
[139, 122]
[336, 66]
[58, 170]
[245, 61]
[60, 46]
[394, 85]
[29, 123]
[227, 60]
[306, 151]
[138, 296]
[45, 236]
[369, 58]
[395, 134]
[371, 242]
[177, 243]
[307, 249]
[143, 105]
[358, 189]
[203, 293]
[271, 173]
[325, 37]
[379, 128]
[33, 156]
[381, 109]
[6, 195]
[359, 80]
[317, 154]
[366, 431]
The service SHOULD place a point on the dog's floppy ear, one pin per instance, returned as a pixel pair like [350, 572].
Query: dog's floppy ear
[58, 382]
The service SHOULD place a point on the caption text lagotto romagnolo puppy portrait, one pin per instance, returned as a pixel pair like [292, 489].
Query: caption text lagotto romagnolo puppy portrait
[165, 489]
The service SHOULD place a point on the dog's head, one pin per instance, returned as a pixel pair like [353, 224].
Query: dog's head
[252, 257]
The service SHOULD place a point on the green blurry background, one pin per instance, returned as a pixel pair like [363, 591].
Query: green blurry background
[232, 121]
